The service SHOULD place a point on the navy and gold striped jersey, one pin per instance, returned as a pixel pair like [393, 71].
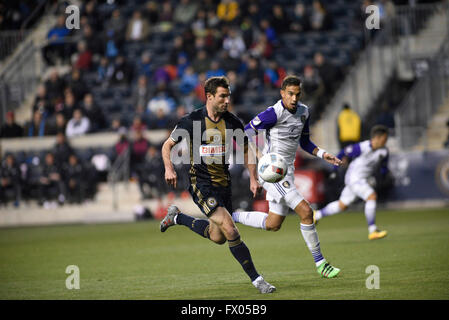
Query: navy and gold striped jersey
[211, 144]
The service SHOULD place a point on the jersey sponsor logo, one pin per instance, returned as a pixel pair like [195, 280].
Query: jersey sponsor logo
[212, 150]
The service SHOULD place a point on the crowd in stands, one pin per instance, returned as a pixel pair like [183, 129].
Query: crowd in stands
[140, 65]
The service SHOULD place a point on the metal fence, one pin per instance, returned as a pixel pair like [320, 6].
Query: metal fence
[389, 51]
[20, 78]
[428, 93]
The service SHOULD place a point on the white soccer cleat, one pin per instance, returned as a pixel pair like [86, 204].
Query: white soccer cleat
[263, 286]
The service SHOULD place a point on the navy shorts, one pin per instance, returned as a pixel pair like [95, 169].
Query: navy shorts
[208, 197]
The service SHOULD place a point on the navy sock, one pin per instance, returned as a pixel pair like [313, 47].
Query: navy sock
[241, 253]
[199, 226]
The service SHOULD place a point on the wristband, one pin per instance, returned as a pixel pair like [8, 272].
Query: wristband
[320, 153]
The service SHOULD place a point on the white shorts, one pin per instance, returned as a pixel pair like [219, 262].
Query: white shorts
[282, 195]
[360, 189]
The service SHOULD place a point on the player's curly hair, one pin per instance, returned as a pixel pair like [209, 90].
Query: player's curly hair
[291, 80]
[211, 84]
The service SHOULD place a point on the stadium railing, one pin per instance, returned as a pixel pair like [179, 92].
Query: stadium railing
[385, 50]
[427, 94]
[120, 171]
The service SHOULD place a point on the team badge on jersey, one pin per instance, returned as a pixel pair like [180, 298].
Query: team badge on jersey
[286, 184]
[211, 202]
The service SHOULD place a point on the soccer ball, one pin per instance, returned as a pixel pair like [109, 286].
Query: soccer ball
[272, 167]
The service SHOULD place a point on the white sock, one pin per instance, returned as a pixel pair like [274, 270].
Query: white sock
[255, 219]
[370, 215]
[313, 243]
[331, 209]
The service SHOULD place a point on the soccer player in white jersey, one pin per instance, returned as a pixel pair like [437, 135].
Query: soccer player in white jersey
[286, 126]
[366, 157]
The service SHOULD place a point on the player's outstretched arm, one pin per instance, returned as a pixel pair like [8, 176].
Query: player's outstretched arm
[170, 173]
[251, 164]
[326, 156]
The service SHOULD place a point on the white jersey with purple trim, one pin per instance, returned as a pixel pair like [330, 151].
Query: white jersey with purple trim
[283, 136]
[363, 166]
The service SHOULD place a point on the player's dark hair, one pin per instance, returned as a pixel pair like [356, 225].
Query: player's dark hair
[378, 130]
[211, 84]
[290, 81]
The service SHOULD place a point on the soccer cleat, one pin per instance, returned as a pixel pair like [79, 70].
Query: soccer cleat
[263, 286]
[169, 219]
[327, 271]
[377, 235]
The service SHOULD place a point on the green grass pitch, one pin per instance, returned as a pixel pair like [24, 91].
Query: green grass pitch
[136, 261]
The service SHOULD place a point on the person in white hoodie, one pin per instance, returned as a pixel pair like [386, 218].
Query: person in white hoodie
[78, 125]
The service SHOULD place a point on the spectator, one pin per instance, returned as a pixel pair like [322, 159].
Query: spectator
[51, 184]
[138, 28]
[151, 12]
[94, 43]
[78, 125]
[312, 86]
[188, 82]
[42, 102]
[269, 31]
[116, 124]
[68, 106]
[201, 63]
[74, 174]
[236, 87]
[56, 47]
[254, 75]
[122, 144]
[105, 71]
[199, 89]
[254, 13]
[199, 25]
[59, 125]
[349, 126]
[300, 18]
[320, 19]
[139, 148]
[234, 44]
[83, 58]
[148, 175]
[261, 48]
[116, 25]
[137, 125]
[229, 63]
[178, 48]
[94, 113]
[215, 70]
[162, 100]
[10, 180]
[274, 74]
[61, 149]
[159, 120]
[76, 84]
[145, 66]
[37, 126]
[55, 87]
[122, 71]
[228, 10]
[185, 12]
[280, 20]
[11, 129]
[141, 93]
[329, 73]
